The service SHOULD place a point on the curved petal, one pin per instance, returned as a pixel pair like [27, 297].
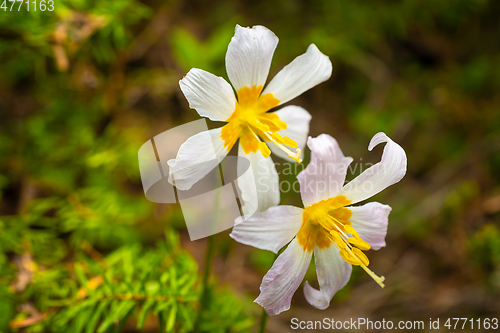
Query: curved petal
[333, 274]
[370, 221]
[249, 56]
[297, 119]
[388, 171]
[324, 176]
[211, 96]
[196, 158]
[283, 279]
[303, 73]
[269, 230]
[261, 183]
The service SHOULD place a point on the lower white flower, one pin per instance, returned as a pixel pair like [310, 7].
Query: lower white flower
[328, 219]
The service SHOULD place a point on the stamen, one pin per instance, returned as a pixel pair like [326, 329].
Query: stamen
[264, 149]
[279, 123]
[335, 221]
[353, 258]
[361, 256]
[352, 231]
[291, 154]
[350, 254]
[349, 257]
[337, 239]
[262, 127]
[289, 142]
[278, 138]
[359, 243]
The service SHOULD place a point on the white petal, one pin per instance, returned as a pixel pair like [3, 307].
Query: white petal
[249, 56]
[297, 120]
[196, 158]
[283, 279]
[324, 176]
[333, 274]
[388, 171]
[303, 73]
[269, 230]
[210, 95]
[261, 183]
[370, 221]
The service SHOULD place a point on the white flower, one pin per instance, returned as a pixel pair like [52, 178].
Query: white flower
[248, 60]
[327, 220]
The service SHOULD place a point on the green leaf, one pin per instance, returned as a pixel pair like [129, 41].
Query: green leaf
[142, 315]
[123, 321]
[82, 319]
[81, 277]
[118, 310]
[171, 318]
[92, 324]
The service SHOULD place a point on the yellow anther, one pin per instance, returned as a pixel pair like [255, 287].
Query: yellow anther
[264, 149]
[289, 142]
[261, 126]
[279, 123]
[278, 138]
[361, 256]
[337, 239]
[348, 228]
[349, 257]
[284, 140]
[359, 243]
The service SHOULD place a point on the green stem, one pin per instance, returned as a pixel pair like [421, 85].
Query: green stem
[263, 321]
[264, 316]
[209, 256]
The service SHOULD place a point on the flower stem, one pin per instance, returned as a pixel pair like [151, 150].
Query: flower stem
[264, 316]
[209, 256]
[263, 321]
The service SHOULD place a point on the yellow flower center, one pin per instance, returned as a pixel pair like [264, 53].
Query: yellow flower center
[250, 123]
[327, 222]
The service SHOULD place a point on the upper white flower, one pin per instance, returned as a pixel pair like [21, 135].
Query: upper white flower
[248, 60]
[326, 220]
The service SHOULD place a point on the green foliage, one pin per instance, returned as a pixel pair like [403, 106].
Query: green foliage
[484, 247]
[70, 185]
[188, 48]
[128, 282]
[129, 286]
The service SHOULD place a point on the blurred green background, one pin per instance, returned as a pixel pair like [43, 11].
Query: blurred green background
[82, 87]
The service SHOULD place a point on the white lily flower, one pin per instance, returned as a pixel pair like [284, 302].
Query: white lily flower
[327, 220]
[248, 60]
